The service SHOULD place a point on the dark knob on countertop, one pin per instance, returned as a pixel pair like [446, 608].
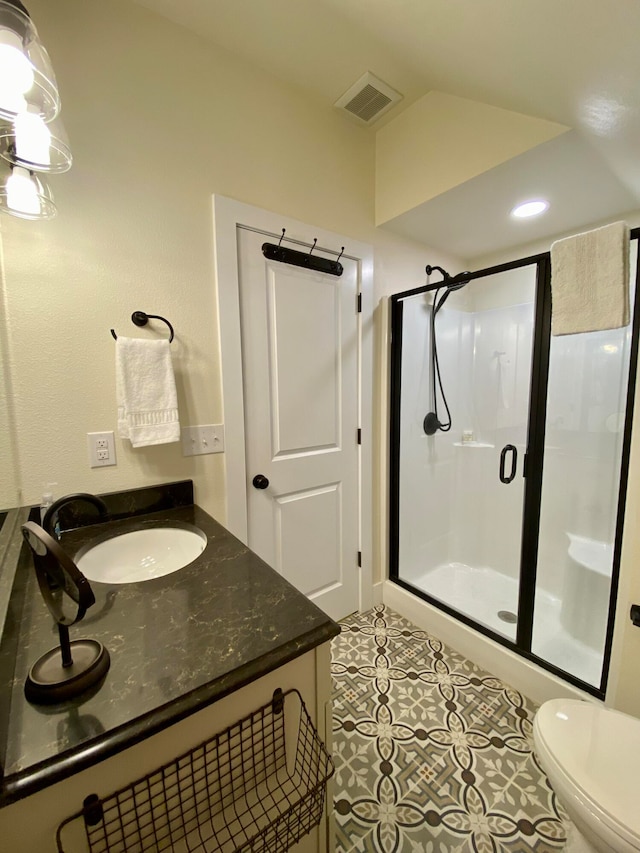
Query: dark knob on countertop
[260, 481]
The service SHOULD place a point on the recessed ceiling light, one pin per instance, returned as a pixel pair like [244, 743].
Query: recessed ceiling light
[529, 208]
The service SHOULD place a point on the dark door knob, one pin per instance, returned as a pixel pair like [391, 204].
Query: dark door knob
[260, 481]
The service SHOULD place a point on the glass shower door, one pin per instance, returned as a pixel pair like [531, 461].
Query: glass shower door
[457, 516]
[583, 459]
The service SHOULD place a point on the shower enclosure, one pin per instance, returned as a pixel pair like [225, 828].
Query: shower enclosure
[511, 520]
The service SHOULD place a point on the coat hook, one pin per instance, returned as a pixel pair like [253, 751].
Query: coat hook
[340, 255]
[315, 240]
[282, 237]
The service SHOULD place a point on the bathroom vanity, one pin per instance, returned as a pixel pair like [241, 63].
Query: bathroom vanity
[191, 653]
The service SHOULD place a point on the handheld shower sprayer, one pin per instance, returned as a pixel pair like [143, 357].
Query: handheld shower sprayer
[449, 289]
[432, 423]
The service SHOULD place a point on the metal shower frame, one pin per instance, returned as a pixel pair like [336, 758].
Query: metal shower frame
[533, 464]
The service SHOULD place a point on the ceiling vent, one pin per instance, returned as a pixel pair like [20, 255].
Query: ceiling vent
[368, 99]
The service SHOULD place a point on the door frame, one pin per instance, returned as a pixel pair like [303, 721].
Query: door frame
[228, 215]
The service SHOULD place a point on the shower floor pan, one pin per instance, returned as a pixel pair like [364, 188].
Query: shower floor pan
[488, 596]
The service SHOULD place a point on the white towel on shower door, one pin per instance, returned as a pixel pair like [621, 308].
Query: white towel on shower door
[590, 281]
[146, 392]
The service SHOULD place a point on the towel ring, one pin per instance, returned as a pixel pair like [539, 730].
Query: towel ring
[139, 318]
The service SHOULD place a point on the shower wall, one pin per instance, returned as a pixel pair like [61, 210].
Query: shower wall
[583, 445]
[450, 491]
[460, 528]
[427, 484]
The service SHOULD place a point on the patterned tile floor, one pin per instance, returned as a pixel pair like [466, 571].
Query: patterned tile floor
[433, 755]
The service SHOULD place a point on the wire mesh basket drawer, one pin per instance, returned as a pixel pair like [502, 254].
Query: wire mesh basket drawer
[258, 786]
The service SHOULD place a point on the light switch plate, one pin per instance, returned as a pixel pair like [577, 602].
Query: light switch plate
[197, 440]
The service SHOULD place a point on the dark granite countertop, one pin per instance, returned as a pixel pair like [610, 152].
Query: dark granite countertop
[177, 644]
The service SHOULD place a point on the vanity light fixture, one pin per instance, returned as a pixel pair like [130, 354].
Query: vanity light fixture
[25, 195]
[26, 75]
[33, 144]
[32, 137]
[530, 208]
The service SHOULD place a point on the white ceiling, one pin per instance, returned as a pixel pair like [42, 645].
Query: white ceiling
[472, 219]
[576, 62]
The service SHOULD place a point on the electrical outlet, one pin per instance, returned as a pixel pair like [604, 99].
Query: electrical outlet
[102, 449]
[197, 440]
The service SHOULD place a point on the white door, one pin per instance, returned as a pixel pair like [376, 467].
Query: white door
[299, 335]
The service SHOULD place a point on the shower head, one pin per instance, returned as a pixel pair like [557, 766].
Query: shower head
[452, 282]
[456, 282]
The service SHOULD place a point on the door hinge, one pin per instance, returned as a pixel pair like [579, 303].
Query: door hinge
[359, 559]
[525, 465]
[359, 304]
[359, 436]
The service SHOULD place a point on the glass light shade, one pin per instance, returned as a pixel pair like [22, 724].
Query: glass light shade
[23, 194]
[17, 71]
[28, 141]
[26, 75]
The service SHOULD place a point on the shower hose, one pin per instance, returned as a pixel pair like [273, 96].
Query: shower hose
[432, 422]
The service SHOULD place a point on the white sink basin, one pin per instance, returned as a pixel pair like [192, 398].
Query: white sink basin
[141, 555]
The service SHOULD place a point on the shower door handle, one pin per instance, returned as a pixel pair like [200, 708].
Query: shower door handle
[514, 462]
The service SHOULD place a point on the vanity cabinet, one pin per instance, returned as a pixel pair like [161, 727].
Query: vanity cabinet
[192, 654]
[29, 825]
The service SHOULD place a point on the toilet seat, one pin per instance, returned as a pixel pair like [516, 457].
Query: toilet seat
[590, 754]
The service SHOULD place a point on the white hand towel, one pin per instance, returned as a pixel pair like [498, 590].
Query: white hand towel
[146, 392]
[590, 281]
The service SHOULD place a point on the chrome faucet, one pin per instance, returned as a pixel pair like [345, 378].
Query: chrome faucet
[50, 520]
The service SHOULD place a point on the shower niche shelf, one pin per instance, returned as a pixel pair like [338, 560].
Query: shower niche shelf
[473, 444]
[258, 786]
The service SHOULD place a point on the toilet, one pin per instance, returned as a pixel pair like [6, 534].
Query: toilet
[592, 757]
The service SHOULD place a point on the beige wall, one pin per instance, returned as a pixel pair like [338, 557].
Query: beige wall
[8, 473]
[441, 141]
[159, 120]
